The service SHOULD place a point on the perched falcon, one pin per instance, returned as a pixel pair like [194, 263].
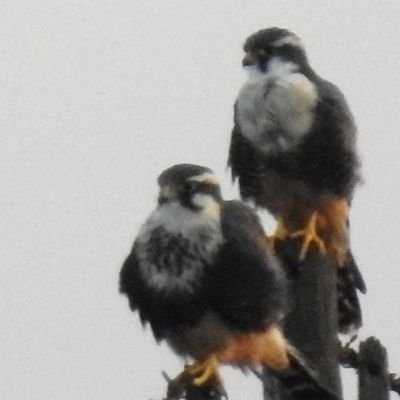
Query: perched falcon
[203, 276]
[293, 152]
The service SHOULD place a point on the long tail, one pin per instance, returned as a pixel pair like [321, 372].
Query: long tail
[299, 382]
[349, 283]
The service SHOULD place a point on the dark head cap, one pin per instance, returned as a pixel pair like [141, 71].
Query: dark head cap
[271, 38]
[270, 43]
[180, 173]
[183, 182]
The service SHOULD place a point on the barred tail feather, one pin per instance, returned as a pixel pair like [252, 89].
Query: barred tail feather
[349, 283]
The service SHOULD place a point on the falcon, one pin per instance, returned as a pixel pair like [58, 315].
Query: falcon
[201, 273]
[293, 151]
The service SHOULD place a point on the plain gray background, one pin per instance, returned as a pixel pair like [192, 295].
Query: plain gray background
[97, 97]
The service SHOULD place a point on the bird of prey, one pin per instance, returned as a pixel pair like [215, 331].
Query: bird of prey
[293, 151]
[203, 276]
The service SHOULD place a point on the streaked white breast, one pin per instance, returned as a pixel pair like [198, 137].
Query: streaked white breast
[189, 241]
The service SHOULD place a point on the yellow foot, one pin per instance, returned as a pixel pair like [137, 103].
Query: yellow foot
[281, 233]
[310, 235]
[204, 371]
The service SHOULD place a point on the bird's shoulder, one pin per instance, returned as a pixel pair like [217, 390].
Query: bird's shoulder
[329, 90]
[245, 241]
[334, 115]
[331, 96]
[240, 220]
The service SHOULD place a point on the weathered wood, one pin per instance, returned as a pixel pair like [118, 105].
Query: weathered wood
[272, 390]
[312, 323]
[206, 392]
[373, 356]
[181, 388]
[373, 383]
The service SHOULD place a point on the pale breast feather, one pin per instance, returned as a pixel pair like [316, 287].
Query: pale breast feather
[276, 110]
[174, 246]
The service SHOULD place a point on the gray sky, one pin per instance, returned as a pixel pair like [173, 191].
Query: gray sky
[97, 97]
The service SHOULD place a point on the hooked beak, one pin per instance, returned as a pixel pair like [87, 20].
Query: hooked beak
[249, 59]
[167, 193]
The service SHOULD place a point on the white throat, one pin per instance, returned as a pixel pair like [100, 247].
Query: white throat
[176, 219]
[277, 68]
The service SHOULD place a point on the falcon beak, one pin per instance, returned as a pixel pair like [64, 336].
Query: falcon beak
[167, 193]
[249, 59]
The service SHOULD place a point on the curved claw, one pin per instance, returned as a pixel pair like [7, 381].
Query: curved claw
[205, 371]
[310, 236]
[201, 377]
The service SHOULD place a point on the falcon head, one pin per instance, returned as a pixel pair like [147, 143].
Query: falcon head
[192, 186]
[273, 43]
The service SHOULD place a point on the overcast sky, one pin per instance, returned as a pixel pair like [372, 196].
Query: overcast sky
[97, 98]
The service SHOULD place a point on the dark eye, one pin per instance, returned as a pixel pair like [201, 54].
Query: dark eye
[190, 186]
[265, 53]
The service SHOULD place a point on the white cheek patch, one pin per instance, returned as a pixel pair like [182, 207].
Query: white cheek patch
[208, 206]
[176, 219]
[278, 69]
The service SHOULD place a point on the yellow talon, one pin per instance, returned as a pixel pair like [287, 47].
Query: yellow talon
[203, 371]
[310, 235]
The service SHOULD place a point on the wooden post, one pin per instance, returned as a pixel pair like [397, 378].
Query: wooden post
[312, 323]
[272, 390]
[373, 382]
[178, 389]
[207, 392]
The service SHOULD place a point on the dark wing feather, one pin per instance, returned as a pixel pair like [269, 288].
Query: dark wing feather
[246, 287]
[131, 284]
[349, 282]
[164, 311]
[327, 159]
[246, 164]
